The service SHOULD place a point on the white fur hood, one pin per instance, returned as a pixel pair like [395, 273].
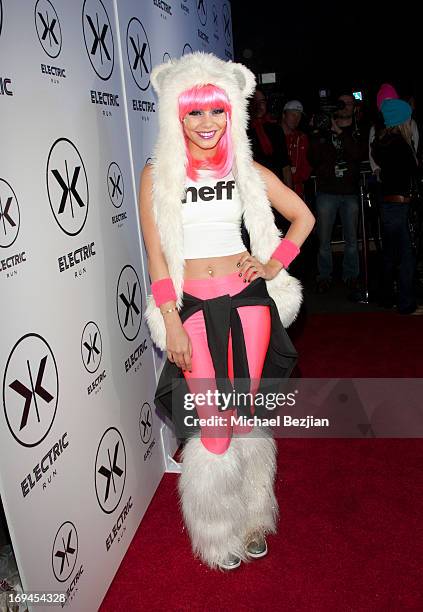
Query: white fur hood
[169, 176]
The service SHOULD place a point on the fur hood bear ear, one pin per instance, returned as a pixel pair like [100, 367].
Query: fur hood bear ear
[159, 73]
[245, 79]
[203, 68]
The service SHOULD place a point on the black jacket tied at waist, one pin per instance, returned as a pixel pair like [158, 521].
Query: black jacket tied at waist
[221, 317]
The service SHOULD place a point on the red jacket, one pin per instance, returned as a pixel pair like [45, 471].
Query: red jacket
[297, 145]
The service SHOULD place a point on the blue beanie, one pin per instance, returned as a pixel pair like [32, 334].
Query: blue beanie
[395, 112]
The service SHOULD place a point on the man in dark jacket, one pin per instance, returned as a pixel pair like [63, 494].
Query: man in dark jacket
[335, 156]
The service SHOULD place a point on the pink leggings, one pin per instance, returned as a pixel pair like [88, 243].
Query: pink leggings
[256, 324]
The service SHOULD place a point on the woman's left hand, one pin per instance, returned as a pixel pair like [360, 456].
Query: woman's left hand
[250, 268]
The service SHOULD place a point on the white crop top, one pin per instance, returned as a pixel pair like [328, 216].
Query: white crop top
[211, 217]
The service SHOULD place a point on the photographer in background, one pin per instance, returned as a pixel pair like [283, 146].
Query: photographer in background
[335, 154]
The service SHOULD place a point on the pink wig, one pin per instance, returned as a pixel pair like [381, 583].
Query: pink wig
[203, 97]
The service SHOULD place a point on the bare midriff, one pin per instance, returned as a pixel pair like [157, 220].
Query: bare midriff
[211, 267]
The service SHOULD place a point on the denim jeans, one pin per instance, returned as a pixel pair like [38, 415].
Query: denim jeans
[397, 249]
[327, 205]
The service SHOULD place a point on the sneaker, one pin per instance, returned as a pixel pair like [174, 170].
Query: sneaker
[257, 547]
[418, 311]
[230, 562]
[407, 311]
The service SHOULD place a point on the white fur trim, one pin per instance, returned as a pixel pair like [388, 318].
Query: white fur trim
[286, 291]
[259, 452]
[155, 323]
[210, 488]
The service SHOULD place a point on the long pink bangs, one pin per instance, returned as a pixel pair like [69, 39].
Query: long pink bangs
[202, 98]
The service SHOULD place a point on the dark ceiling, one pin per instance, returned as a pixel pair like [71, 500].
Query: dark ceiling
[355, 45]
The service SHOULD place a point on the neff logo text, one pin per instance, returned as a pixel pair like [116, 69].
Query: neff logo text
[208, 193]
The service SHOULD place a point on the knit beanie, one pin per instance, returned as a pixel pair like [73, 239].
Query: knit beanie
[386, 92]
[395, 112]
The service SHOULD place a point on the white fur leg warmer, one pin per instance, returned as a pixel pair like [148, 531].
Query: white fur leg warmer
[259, 451]
[211, 497]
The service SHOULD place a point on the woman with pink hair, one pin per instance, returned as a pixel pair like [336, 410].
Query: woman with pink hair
[217, 308]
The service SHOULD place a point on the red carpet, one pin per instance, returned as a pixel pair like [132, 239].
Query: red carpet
[375, 344]
[350, 535]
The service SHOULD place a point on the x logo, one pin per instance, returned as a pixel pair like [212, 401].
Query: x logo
[139, 55]
[31, 393]
[109, 473]
[145, 422]
[68, 190]
[4, 214]
[129, 304]
[99, 39]
[48, 28]
[63, 554]
[115, 184]
[92, 348]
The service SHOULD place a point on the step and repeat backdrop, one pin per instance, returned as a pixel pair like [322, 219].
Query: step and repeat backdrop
[81, 453]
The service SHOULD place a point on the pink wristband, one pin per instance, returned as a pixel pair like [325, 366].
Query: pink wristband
[163, 291]
[285, 252]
